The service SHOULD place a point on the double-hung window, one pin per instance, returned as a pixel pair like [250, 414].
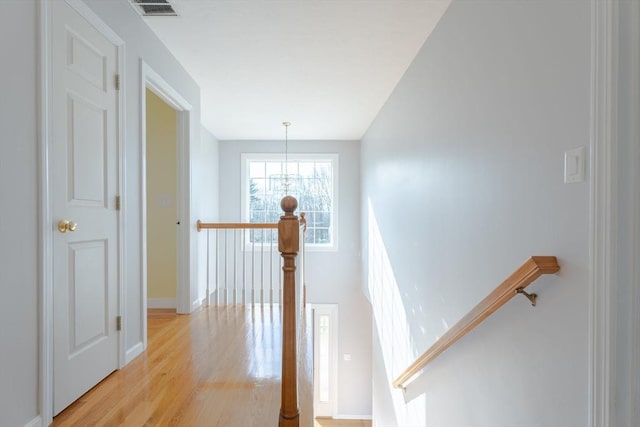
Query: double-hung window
[310, 178]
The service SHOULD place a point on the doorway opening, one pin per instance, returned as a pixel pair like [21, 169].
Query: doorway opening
[161, 198]
[161, 202]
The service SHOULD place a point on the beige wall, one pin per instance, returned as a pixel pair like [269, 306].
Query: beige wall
[161, 198]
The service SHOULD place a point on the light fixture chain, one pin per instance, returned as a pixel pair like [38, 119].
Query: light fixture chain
[286, 156]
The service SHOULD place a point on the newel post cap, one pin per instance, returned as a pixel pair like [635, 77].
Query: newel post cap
[288, 205]
[288, 227]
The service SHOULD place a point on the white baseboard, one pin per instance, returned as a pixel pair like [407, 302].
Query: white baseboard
[133, 352]
[36, 422]
[212, 300]
[208, 300]
[196, 304]
[352, 417]
[161, 303]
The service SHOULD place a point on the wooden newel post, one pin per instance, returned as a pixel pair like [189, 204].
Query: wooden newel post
[288, 245]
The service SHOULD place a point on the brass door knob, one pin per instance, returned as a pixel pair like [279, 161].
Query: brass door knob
[65, 225]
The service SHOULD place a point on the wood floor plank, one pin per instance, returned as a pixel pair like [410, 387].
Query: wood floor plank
[330, 422]
[219, 366]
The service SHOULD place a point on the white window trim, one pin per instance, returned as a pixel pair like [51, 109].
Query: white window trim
[318, 157]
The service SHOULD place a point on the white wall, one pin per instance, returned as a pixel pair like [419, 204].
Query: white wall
[141, 43]
[206, 172]
[18, 219]
[332, 277]
[462, 175]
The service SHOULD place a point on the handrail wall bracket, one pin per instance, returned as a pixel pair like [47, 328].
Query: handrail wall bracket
[531, 297]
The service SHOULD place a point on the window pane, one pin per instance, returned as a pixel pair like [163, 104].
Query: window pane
[291, 168]
[273, 169]
[305, 202]
[309, 236]
[323, 169]
[273, 216]
[322, 235]
[309, 181]
[254, 216]
[256, 194]
[256, 169]
[323, 219]
[306, 168]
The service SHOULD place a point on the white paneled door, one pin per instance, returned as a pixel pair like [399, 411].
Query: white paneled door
[83, 163]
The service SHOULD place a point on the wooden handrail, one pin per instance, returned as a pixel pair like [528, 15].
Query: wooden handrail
[528, 272]
[241, 225]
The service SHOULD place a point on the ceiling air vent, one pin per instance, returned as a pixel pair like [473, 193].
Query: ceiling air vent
[154, 7]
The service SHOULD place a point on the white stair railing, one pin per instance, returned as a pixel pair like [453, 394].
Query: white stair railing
[243, 263]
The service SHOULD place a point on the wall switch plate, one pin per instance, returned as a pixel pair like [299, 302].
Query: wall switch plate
[347, 357]
[574, 165]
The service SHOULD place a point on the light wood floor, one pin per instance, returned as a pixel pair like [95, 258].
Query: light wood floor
[328, 422]
[219, 366]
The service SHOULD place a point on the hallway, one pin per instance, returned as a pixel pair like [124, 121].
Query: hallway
[219, 366]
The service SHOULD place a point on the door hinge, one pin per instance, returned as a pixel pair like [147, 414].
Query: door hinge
[119, 323]
[117, 81]
[117, 203]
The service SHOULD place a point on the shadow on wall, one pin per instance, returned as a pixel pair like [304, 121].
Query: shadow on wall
[395, 340]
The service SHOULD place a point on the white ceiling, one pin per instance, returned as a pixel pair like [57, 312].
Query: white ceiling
[327, 66]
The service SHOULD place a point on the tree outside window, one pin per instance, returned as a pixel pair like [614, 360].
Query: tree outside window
[309, 179]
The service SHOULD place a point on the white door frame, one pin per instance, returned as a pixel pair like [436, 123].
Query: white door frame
[150, 79]
[635, 178]
[602, 283]
[605, 206]
[46, 222]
